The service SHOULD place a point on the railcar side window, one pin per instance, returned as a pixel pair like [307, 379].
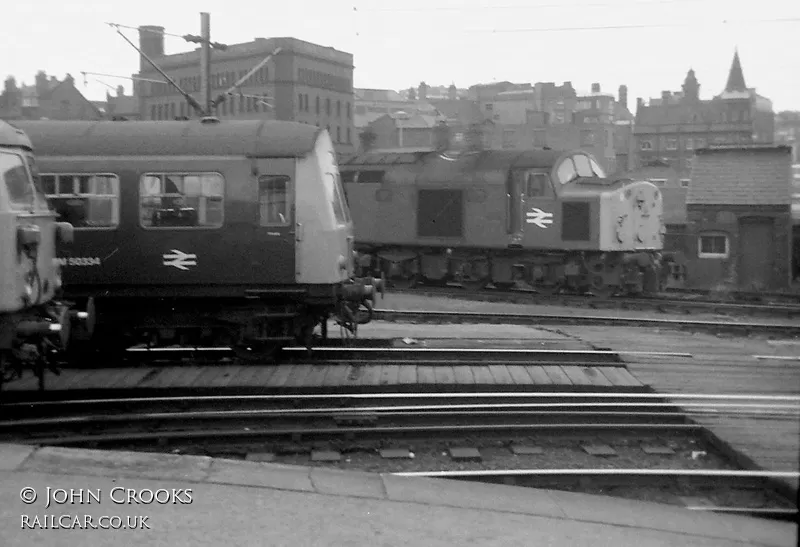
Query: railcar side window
[273, 202]
[85, 200]
[181, 200]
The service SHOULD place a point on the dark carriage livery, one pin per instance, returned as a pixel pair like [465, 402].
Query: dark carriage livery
[33, 322]
[542, 218]
[230, 233]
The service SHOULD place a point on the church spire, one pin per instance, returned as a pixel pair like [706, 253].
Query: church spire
[735, 76]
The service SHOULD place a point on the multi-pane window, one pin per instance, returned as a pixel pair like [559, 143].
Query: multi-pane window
[85, 200]
[685, 183]
[193, 200]
[645, 145]
[273, 202]
[712, 246]
[672, 143]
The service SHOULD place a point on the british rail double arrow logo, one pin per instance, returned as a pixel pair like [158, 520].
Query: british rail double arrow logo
[179, 259]
[541, 218]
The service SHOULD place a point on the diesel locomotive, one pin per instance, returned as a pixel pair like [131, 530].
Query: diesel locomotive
[543, 219]
[203, 232]
[33, 322]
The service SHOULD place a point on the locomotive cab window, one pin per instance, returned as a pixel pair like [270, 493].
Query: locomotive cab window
[273, 200]
[17, 182]
[181, 200]
[85, 200]
[537, 185]
[566, 171]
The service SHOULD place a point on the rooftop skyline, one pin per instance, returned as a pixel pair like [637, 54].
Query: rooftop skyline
[648, 45]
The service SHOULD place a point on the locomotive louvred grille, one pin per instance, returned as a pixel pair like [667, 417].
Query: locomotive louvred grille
[440, 213]
[575, 221]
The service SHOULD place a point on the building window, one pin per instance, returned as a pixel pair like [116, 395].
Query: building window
[338, 134]
[273, 205]
[181, 200]
[712, 245]
[153, 112]
[316, 104]
[159, 112]
[232, 105]
[349, 113]
[685, 183]
[328, 106]
[489, 107]
[349, 140]
[338, 109]
[645, 145]
[224, 108]
[508, 139]
[299, 102]
[689, 144]
[658, 182]
[84, 200]
[672, 143]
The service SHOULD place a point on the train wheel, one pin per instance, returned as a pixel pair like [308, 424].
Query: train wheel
[407, 282]
[475, 284]
[600, 289]
[256, 352]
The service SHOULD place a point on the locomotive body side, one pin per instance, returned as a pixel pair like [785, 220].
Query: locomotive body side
[538, 218]
[33, 323]
[202, 233]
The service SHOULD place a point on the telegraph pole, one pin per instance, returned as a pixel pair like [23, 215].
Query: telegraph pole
[205, 61]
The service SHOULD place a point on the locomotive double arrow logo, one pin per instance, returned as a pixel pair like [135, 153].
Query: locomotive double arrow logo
[541, 218]
[179, 259]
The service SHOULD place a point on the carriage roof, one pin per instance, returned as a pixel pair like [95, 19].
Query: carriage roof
[253, 138]
[10, 135]
[485, 160]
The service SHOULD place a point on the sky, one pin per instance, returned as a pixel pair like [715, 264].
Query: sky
[648, 45]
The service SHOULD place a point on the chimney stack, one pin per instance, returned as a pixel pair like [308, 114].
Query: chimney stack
[595, 88]
[665, 95]
[452, 92]
[422, 93]
[151, 42]
[639, 103]
[41, 83]
[623, 95]
[120, 91]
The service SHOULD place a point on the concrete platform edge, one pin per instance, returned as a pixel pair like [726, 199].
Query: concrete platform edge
[15, 458]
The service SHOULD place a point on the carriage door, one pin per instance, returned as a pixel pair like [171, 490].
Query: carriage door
[514, 207]
[275, 233]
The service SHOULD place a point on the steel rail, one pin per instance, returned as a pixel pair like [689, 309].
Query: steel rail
[438, 395]
[388, 412]
[330, 431]
[554, 319]
[716, 473]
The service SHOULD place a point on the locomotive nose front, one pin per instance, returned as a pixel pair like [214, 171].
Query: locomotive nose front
[646, 206]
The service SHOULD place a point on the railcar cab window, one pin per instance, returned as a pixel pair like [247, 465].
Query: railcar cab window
[181, 200]
[85, 200]
[18, 183]
[273, 202]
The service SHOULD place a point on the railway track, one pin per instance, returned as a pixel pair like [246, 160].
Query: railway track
[691, 301]
[581, 429]
[537, 319]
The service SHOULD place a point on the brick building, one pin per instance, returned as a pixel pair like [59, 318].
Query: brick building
[48, 98]
[739, 230]
[671, 128]
[305, 82]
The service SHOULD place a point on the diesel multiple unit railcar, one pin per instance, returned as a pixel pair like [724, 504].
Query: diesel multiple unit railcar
[232, 233]
[33, 323]
[543, 219]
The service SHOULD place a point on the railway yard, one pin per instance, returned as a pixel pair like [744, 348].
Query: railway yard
[644, 406]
